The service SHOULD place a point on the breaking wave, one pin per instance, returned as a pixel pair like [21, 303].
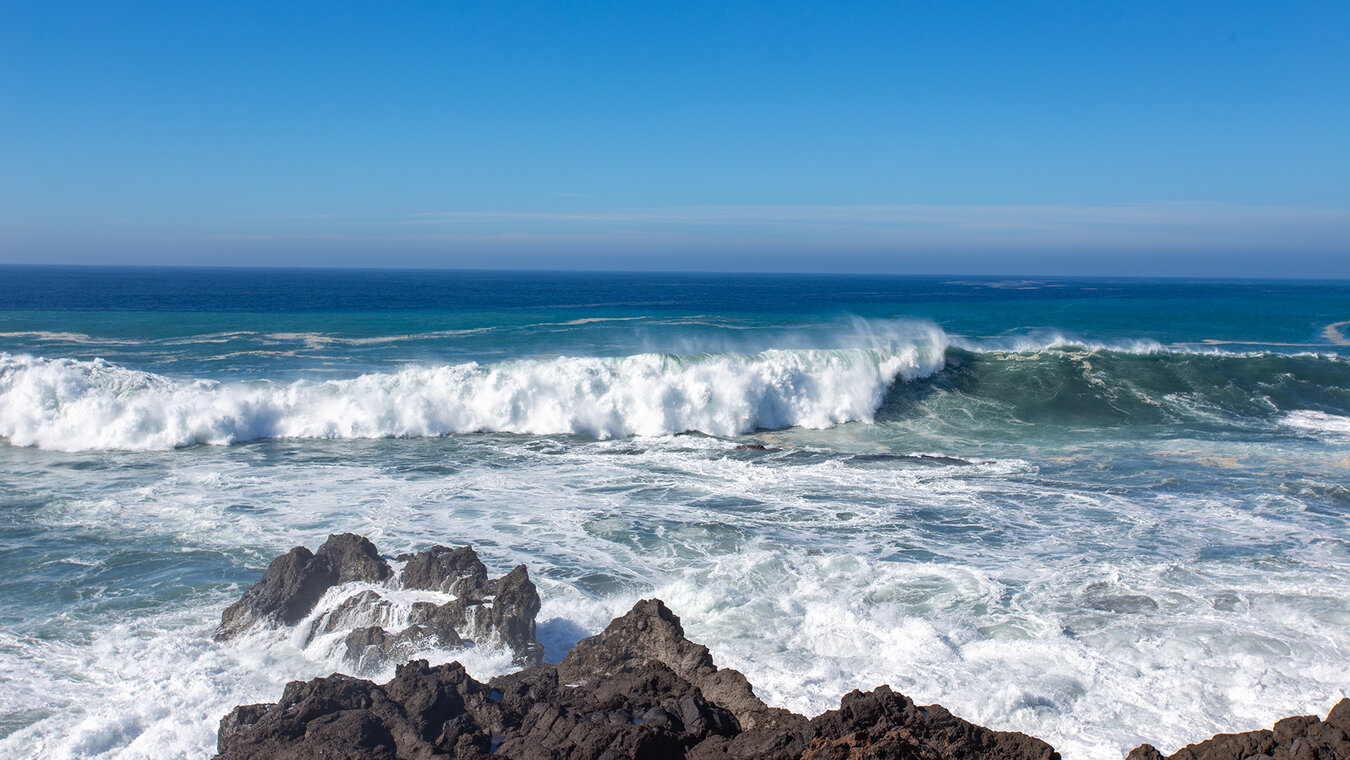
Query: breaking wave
[76, 405]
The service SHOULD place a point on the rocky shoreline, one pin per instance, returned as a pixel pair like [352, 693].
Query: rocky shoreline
[639, 689]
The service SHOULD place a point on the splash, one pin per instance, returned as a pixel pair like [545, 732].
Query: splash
[74, 405]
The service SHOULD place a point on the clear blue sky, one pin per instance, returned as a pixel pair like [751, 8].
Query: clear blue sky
[997, 137]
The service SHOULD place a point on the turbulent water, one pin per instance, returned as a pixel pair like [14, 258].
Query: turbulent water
[1100, 512]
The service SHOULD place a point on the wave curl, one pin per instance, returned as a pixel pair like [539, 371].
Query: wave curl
[75, 405]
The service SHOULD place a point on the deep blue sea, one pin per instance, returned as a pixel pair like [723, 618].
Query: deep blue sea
[1098, 511]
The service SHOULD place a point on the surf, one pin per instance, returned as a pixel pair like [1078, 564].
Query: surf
[79, 405]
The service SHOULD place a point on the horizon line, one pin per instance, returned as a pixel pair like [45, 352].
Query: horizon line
[662, 272]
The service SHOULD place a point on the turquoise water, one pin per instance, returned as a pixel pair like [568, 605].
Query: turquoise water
[1101, 512]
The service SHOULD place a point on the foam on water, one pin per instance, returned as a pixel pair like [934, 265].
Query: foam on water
[1319, 423]
[1102, 618]
[83, 405]
[158, 688]
[76, 405]
[1093, 538]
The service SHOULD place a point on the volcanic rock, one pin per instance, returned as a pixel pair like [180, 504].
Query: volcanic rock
[296, 580]
[639, 689]
[440, 568]
[650, 631]
[635, 690]
[440, 711]
[487, 611]
[352, 612]
[1299, 738]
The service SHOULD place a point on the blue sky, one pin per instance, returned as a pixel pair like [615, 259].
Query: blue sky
[955, 137]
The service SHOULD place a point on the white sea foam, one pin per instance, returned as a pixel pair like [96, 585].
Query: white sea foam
[813, 573]
[75, 405]
[1017, 599]
[1319, 423]
[157, 689]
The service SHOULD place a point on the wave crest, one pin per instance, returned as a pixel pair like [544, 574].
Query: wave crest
[74, 405]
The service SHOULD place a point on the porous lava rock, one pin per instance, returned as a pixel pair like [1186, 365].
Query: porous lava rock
[500, 610]
[1302, 737]
[440, 711]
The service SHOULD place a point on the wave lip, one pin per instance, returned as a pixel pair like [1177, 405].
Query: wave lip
[1039, 341]
[74, 405]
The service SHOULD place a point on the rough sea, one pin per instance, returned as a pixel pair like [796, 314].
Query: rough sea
[1101, 512]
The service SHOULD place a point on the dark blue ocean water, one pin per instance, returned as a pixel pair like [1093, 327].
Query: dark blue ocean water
[1099, 511]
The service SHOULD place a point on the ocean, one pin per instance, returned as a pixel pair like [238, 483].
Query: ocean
[1101, 512]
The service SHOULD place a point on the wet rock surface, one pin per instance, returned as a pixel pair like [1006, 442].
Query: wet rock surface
[497, 611]
[640, 689]
[1303, 737]
[296, 580]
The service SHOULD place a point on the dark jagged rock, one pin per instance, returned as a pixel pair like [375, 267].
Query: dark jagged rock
[882, 723]
[440, 568]
[355, 558]
[878, 724]
[372, 646]
[296, 580]
[440, 711]
[499, 611]
[650, 631]
[352, 612]
[496, 611]
[511, 617]
[637, 690]
[1299, 738]
[502, 610]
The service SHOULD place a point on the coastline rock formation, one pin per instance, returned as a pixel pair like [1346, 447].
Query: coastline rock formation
[1303, 737]
[640, 689]
[651, 632]
[483, 610]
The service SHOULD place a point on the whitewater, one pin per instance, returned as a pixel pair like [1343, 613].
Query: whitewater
[86, 405]
[1100, 512]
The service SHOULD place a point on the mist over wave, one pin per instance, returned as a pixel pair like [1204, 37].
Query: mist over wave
[75, 405]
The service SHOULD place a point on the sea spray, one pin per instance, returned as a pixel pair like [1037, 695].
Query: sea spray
[74, 405]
